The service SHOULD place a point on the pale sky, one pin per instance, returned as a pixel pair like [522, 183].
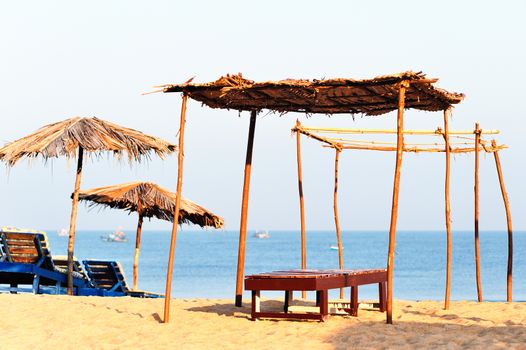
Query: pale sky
[62, 58]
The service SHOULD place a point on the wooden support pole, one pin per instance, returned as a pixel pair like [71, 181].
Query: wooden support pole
[302, 204]
[509, 291]
[394, 207]
[180, 156]
[336, 218]
[244, 212]
[136, 256]
[73, 220]
[477, 250]
[448, 211]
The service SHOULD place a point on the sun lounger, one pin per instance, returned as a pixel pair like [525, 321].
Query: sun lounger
[320, 281]
[108, 276]
[61, 264]
[26, 260]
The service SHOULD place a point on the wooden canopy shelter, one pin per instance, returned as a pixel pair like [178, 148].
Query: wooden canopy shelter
[149, 200]
[375, 96]
[77, 134]
[461, 141]
[332, 96]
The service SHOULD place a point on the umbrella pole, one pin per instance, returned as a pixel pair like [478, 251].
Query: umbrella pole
[508, 220]
[244, 212]
[476, 189]
[176, 211]
[302, 204]
[136, 257]
[336, 218]
[73, 220]
[394, 207]
[448, 212]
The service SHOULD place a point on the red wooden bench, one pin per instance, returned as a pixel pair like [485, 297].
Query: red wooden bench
[320, 281]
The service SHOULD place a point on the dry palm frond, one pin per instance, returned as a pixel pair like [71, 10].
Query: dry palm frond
[92, 134]
[150, 200]
[329, 96]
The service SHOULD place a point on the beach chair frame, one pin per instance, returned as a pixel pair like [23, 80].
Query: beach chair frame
[42, 271]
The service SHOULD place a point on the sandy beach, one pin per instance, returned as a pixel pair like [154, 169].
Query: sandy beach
[61, 322]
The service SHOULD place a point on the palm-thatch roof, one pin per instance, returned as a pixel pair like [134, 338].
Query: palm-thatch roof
[92, 134]
[342, 95]
[150, 200]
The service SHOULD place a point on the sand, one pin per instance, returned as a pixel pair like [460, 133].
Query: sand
[62, 322]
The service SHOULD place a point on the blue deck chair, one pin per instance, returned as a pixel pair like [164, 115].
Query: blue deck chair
[108, 276]
[26, 260]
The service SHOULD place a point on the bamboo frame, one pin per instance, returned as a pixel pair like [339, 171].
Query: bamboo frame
[438, 131]
[375, 146]
[73, 220]
[509, 279]
[476, 189]
[418, 150]
[173, 239]
[447, 211]
[302, 205]
[340, 144]
[136, 256]
[244, 212]
[394, 206]
[300, 129]
[336, 218]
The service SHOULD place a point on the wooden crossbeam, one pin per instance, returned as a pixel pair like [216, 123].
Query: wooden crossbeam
[420, 149]
[438, 131]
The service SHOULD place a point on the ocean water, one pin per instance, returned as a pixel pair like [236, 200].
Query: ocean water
[205, 261]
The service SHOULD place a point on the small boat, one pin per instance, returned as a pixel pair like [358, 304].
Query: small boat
[262, 234]
[118, 236]
[334, 247]
[62, 233]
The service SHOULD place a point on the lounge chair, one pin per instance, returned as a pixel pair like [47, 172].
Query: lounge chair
[26, 260]
[61, 264]
[108, 276]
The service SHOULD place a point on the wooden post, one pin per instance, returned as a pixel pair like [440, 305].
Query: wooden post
[336, 218]
[302, 205]
[394, 207]
[477, 250]
[136, 257]
[448, 211]
[73, 220]
[509, 297]
[244, 212]
[173, 239]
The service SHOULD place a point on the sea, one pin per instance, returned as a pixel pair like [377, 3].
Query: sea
[205, 261]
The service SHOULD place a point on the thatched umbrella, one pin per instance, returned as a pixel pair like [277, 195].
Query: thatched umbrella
[83, 134]
[149, 200]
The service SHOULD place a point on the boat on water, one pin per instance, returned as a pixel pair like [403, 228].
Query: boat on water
[118, 236]
[334, 247]
[262, 234]
[62, 233]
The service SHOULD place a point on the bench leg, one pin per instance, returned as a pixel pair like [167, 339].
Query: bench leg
[36, 284]
[324, 304]
[381, 290]
[13, 287]
[288, 300]
[255, 304]
[318, 298]
[354, 301]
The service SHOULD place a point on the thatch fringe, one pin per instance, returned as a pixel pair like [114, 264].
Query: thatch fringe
[150, 200]
[92, 134]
